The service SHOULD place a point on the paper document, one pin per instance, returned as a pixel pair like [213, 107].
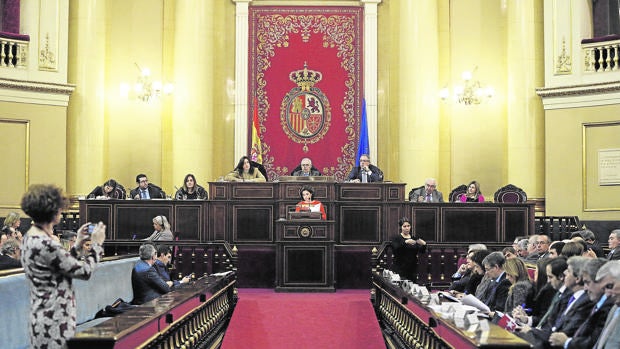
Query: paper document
[475, 302]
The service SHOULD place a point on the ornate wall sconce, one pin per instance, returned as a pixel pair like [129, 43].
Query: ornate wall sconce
[145, 89]
[470, 92]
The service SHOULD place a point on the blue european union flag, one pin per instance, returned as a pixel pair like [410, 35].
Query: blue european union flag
[362, 146]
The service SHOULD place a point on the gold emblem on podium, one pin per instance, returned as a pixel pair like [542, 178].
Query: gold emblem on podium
[305, 232]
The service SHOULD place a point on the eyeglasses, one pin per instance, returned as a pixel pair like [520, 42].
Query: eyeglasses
[363, 160]
[305, 164]
[541, 242]
[431, 185]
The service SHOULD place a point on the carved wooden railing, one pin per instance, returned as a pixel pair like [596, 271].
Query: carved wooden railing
[203, 327]
[400, 327]
[557, 227]
[195, 316]
[408, 323]
[188, 257]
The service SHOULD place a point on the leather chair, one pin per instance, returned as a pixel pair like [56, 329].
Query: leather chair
[510, 194]
[298, 168]
[412, 190]
[456, 193]
[121, 192]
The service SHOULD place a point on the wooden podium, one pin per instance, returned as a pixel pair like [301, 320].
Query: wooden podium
[304, 255]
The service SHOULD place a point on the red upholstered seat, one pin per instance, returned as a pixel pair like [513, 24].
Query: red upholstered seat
[510, 194]
[532, 273]
[456, 193]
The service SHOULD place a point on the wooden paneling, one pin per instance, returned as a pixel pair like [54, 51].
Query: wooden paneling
[360, 224]
[252, 223]
[252, 216]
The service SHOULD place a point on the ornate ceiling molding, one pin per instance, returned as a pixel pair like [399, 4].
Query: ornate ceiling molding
[582, 95]
[37, 87]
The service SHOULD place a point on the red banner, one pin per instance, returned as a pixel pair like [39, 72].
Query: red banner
[305, 70]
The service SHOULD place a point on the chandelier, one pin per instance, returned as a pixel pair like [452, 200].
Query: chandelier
[470, 92]
[145, 89]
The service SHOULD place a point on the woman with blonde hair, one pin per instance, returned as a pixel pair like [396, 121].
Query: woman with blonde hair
[162, 230]
[473, 193]
[522, 290]
[11, 226]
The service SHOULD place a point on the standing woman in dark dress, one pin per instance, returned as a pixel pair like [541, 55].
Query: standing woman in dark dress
[406, 247]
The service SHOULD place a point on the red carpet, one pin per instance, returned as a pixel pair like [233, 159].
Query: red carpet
[270, 320]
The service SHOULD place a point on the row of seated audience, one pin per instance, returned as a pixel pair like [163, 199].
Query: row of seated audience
[498, 279]
[571, 301]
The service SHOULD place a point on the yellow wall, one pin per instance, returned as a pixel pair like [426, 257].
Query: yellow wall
[33, 148]
[565, 164]
[423, 46]
[186, 43]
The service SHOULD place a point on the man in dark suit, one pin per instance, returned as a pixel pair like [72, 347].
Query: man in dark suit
[10, 255]
[161, 266]
[542, 245]
[589, 330]
[609, 274]
[574, 313]
[146, 282]
[495, 296]
[427, 193]
[365, 172]
[306, 169]
[146, 190]
[579, 305]
[555, 277]
[614, 242]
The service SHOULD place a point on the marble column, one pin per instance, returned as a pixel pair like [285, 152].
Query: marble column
[525, 114]
[85, 137]
[418, 106]
[192, 113]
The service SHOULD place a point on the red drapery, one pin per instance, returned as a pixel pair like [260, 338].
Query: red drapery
[305, 69]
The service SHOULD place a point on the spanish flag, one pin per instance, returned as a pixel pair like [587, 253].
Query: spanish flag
[256, 153]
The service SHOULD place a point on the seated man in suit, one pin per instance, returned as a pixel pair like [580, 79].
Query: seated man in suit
[497, 293]
[428, 193]
[146, 190]
[589, 330]
[614, 245]
[306, 169]
[365, 172]
[556, 271]
[146, 282]
[161, 266]
[609, 274]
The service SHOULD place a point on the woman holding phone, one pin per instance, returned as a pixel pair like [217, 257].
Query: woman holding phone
[50, 269]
